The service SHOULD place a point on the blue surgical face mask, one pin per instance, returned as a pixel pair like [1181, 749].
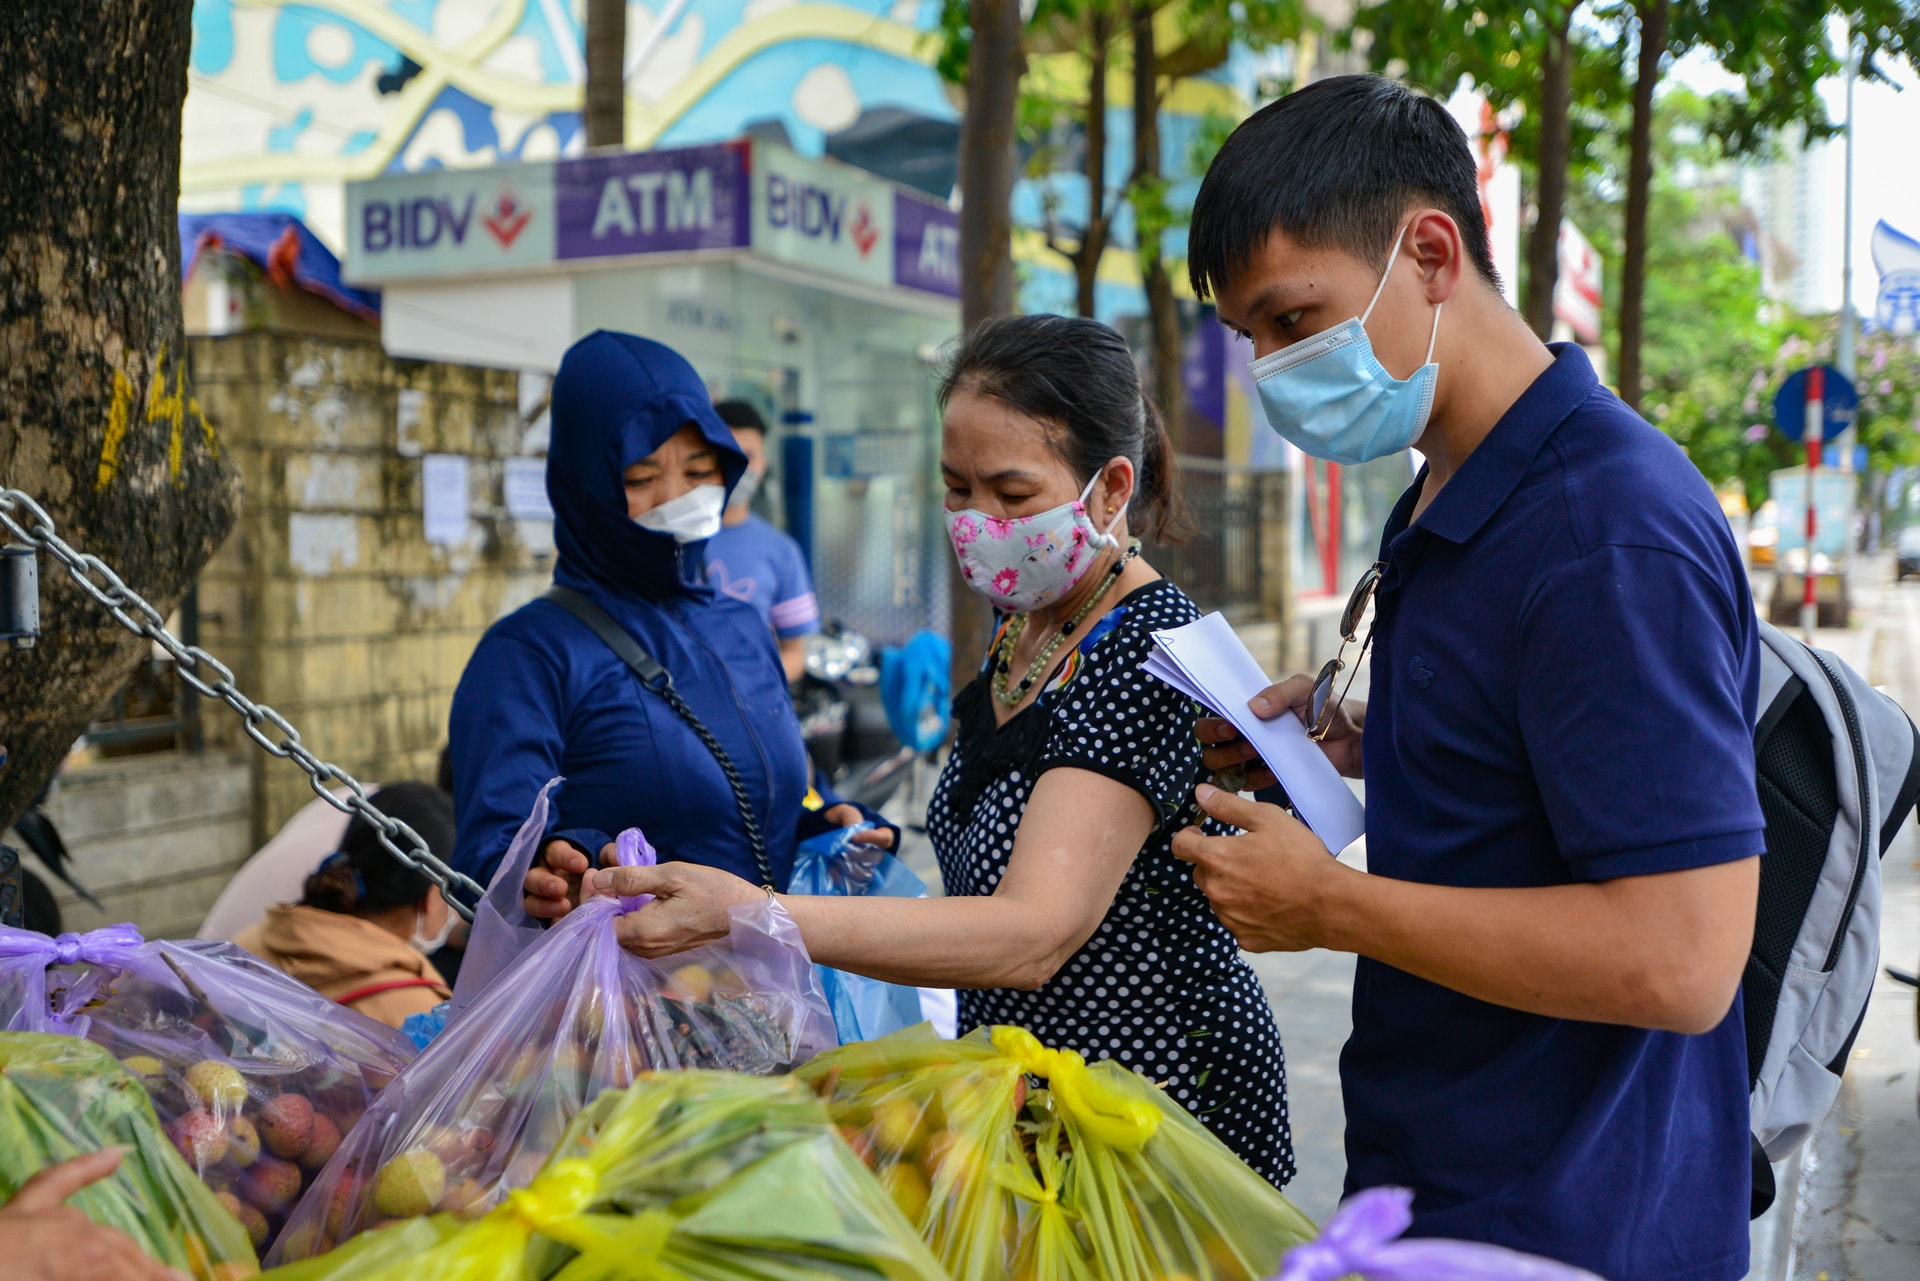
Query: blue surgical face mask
[1330, 396]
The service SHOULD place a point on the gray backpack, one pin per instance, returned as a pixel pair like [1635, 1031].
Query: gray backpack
[1838, 765]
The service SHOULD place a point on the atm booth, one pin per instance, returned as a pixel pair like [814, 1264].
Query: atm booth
[817, 291]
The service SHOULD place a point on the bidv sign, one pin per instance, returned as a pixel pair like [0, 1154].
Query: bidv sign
[448, 223]
[822, 216]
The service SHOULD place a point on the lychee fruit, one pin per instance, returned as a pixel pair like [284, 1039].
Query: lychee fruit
[270, 1185]
[286, 1124]
[243, 1141]
[251, 1219]
[341, 1204]
[199, 1137]
[326, 1141]
[410, 1185]
[217, 1085]
[467, 1199]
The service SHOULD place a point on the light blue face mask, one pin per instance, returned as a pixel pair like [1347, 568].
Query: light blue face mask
[1330, 396]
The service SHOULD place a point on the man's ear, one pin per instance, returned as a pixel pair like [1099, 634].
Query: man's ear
[1434, 240]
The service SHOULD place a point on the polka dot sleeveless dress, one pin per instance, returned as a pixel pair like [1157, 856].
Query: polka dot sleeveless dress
[1160, 986]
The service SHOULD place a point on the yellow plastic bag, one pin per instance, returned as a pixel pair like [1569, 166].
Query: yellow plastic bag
[1098, 1176]
[62, 1097]
[685, 1176]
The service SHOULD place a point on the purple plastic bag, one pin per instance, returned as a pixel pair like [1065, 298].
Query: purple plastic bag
[1361, 1241]
[255, 1075]
[571, 1015]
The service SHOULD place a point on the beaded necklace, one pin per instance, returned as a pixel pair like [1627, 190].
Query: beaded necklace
[1017, 628]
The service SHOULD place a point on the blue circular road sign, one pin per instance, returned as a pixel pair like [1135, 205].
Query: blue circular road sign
[1839, 404]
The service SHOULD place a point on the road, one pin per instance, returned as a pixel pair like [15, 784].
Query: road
[1858, 1212]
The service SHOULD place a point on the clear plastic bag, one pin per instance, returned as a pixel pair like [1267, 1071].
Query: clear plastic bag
[255, 1075]
[834, 864]
[572, 1015]
[61, 1098]
[1360, 1242]
[687, 1176]
[1097, 1176]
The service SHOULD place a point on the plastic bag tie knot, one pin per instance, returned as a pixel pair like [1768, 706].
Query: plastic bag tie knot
[109, 945]
[564, 1190]
[1092, 1104]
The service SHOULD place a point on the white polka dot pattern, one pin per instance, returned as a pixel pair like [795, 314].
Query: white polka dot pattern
[1160, 986]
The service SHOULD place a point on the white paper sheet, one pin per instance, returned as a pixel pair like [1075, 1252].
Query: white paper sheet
[1208, 663]
[526, 489]
[443, 497]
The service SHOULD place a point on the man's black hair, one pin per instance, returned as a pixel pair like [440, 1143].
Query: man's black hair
[1336, 165]
[739, 414]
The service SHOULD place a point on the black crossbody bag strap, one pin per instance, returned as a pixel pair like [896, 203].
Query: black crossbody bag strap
[656, 678]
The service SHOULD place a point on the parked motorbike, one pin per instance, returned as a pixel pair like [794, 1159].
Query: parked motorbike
[843, 721]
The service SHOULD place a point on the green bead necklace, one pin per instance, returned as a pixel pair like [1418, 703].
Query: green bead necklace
[1002, 663]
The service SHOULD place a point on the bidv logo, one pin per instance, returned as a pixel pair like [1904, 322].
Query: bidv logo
[424, 222]
[819, 214]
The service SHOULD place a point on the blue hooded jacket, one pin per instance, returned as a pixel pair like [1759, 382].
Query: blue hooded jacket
[543, 696]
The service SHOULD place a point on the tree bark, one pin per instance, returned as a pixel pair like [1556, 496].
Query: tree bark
[1633, 266]
[1556, 141]
[97, 420]
[1093, 244]
[606, 52]
[995, 65]
[996, 62]
[1163, 310]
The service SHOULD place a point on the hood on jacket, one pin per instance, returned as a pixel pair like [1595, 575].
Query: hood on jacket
[616, 399]
[332, 952]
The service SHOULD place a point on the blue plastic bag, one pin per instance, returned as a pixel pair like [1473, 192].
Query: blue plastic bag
[422, 1028]
[832, 864]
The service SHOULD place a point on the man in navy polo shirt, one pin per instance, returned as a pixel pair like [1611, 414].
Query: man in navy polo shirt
[1562, 826]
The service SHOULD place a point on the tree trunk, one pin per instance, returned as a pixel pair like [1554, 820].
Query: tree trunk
[1149, 215]
[1556, 141]
[995, 64]
[994, 68]
[1093, 244]
[96, 421]
[606, 73]
[1633, 267]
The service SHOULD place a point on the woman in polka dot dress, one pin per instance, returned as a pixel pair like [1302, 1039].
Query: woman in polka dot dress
[1066, 912]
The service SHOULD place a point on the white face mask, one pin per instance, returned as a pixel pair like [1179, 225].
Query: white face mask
[428, 946]
[691, 518]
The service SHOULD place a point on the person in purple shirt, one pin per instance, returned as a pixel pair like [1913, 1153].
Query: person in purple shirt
[753, 562]
[1563, 827]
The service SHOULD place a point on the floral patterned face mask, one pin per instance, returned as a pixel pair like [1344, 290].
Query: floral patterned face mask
[1028, 562]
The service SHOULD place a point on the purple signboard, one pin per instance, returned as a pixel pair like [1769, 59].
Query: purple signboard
[651, 202]
[926, 246]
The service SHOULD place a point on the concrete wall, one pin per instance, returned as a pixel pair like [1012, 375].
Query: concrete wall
[327, 600]
[154, 837]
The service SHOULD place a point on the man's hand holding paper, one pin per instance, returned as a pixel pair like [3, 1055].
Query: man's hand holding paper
[1226, 749]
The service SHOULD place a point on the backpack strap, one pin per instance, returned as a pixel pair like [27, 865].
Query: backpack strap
[375, 989]
[656, 678]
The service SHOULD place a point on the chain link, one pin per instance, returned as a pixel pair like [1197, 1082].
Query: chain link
[28, 522]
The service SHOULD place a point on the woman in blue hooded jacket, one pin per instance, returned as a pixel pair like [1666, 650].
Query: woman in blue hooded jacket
[637, 472]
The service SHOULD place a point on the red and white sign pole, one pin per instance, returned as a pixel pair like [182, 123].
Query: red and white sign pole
[1816, 427]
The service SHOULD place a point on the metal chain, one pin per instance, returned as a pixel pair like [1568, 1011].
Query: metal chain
[263, 725]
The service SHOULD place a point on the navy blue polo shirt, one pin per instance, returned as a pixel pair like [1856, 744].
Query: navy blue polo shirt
[1565, 667]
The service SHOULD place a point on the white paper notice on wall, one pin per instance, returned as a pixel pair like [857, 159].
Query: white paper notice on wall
[443, 497]
[526, 486]
[407, 422]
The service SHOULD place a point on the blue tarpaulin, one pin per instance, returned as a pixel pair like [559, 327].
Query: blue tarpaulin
[280, 243]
